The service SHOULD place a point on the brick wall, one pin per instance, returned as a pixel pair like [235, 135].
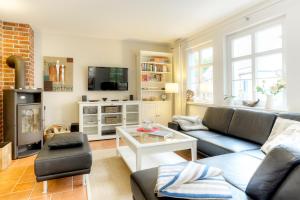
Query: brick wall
[1, 84]
[15, 39]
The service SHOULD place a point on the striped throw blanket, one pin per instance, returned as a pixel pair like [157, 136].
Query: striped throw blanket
[190, 180]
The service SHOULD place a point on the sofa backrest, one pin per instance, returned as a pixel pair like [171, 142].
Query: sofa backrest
[251, 125]
[218, 118]
[291, 116]
[278, 176]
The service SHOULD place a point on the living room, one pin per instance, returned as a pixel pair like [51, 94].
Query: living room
[149, 99]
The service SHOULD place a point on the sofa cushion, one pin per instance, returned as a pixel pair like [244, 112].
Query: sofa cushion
[285, 132]
[252, 125]
[65, 140]
[272, 172]
[213, 144]
[291, 116]
[143, 183]
[201, 134]
[238, 168]
[218, 118]
[256, 153]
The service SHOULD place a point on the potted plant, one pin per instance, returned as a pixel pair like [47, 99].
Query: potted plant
[189, 95]
[271, 92]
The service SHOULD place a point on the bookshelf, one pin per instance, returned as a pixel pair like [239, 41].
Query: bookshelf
[155, 69]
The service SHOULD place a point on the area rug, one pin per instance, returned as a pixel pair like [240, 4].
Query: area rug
[109, 177]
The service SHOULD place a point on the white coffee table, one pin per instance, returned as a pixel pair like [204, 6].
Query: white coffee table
[143, 151]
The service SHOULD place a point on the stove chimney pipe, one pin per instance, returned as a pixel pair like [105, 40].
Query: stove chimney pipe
[18, 64]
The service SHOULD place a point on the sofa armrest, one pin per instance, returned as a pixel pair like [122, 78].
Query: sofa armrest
[289, 189]
[175, 126]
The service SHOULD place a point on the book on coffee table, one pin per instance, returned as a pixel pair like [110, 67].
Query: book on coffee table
[164, 134]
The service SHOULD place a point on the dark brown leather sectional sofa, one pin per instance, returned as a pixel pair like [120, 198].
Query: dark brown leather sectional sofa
[232, 144]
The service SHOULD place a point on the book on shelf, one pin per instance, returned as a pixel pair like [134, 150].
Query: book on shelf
[152, 77]
[154, 67]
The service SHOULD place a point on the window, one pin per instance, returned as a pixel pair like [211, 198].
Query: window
[255, 59]
[200, 73]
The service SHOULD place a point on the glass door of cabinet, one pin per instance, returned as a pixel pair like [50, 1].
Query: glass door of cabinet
[132, 114]
[90, 120]
[111, 117]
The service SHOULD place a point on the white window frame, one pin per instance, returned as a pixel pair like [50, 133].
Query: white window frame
[198, 48]
[251, 31]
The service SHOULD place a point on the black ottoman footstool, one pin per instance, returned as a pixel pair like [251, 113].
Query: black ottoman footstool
[63, 156]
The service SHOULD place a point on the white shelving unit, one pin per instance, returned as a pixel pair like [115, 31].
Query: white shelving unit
[93, 117]
[154, 70]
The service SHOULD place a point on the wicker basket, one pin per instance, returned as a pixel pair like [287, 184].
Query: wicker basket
[90, 110]
[111, 109]
[55, 129]
[112, 120]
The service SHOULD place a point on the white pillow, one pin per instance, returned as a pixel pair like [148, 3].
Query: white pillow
[283, 132]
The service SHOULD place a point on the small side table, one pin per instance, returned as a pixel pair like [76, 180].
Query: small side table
[5, 155]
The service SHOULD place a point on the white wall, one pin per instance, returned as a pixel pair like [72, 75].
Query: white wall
[196, 110]
[267, 11]
[61, 107]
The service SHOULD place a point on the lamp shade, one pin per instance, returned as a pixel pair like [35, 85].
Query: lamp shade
[171, 88]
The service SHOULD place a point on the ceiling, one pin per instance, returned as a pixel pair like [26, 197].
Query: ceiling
[148, 20]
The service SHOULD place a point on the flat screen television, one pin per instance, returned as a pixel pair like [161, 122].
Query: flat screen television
[107, 78]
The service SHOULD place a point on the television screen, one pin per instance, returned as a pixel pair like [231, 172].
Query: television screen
[107, 78]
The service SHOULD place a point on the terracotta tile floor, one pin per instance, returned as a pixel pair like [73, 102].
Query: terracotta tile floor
[18, 181]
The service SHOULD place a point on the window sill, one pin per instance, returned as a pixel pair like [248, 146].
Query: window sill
[260, 108]
[199, 103]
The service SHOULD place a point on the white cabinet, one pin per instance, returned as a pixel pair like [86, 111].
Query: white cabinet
[164, 112]
[157, 111]
[148, 111]
[99, 119]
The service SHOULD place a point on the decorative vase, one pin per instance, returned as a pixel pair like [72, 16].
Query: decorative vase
[62, 74]
[52, 73]
[269, 102]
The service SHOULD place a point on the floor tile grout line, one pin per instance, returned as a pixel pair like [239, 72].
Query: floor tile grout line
[2, 195]
[32, 190]
[17, 182]
[65, 190]
[59, 192]
[70, 190]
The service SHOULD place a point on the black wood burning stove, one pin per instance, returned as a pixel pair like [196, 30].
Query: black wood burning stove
[23, 121]
[22, 113]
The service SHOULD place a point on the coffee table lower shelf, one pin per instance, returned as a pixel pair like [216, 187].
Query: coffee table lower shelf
[149, 160]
